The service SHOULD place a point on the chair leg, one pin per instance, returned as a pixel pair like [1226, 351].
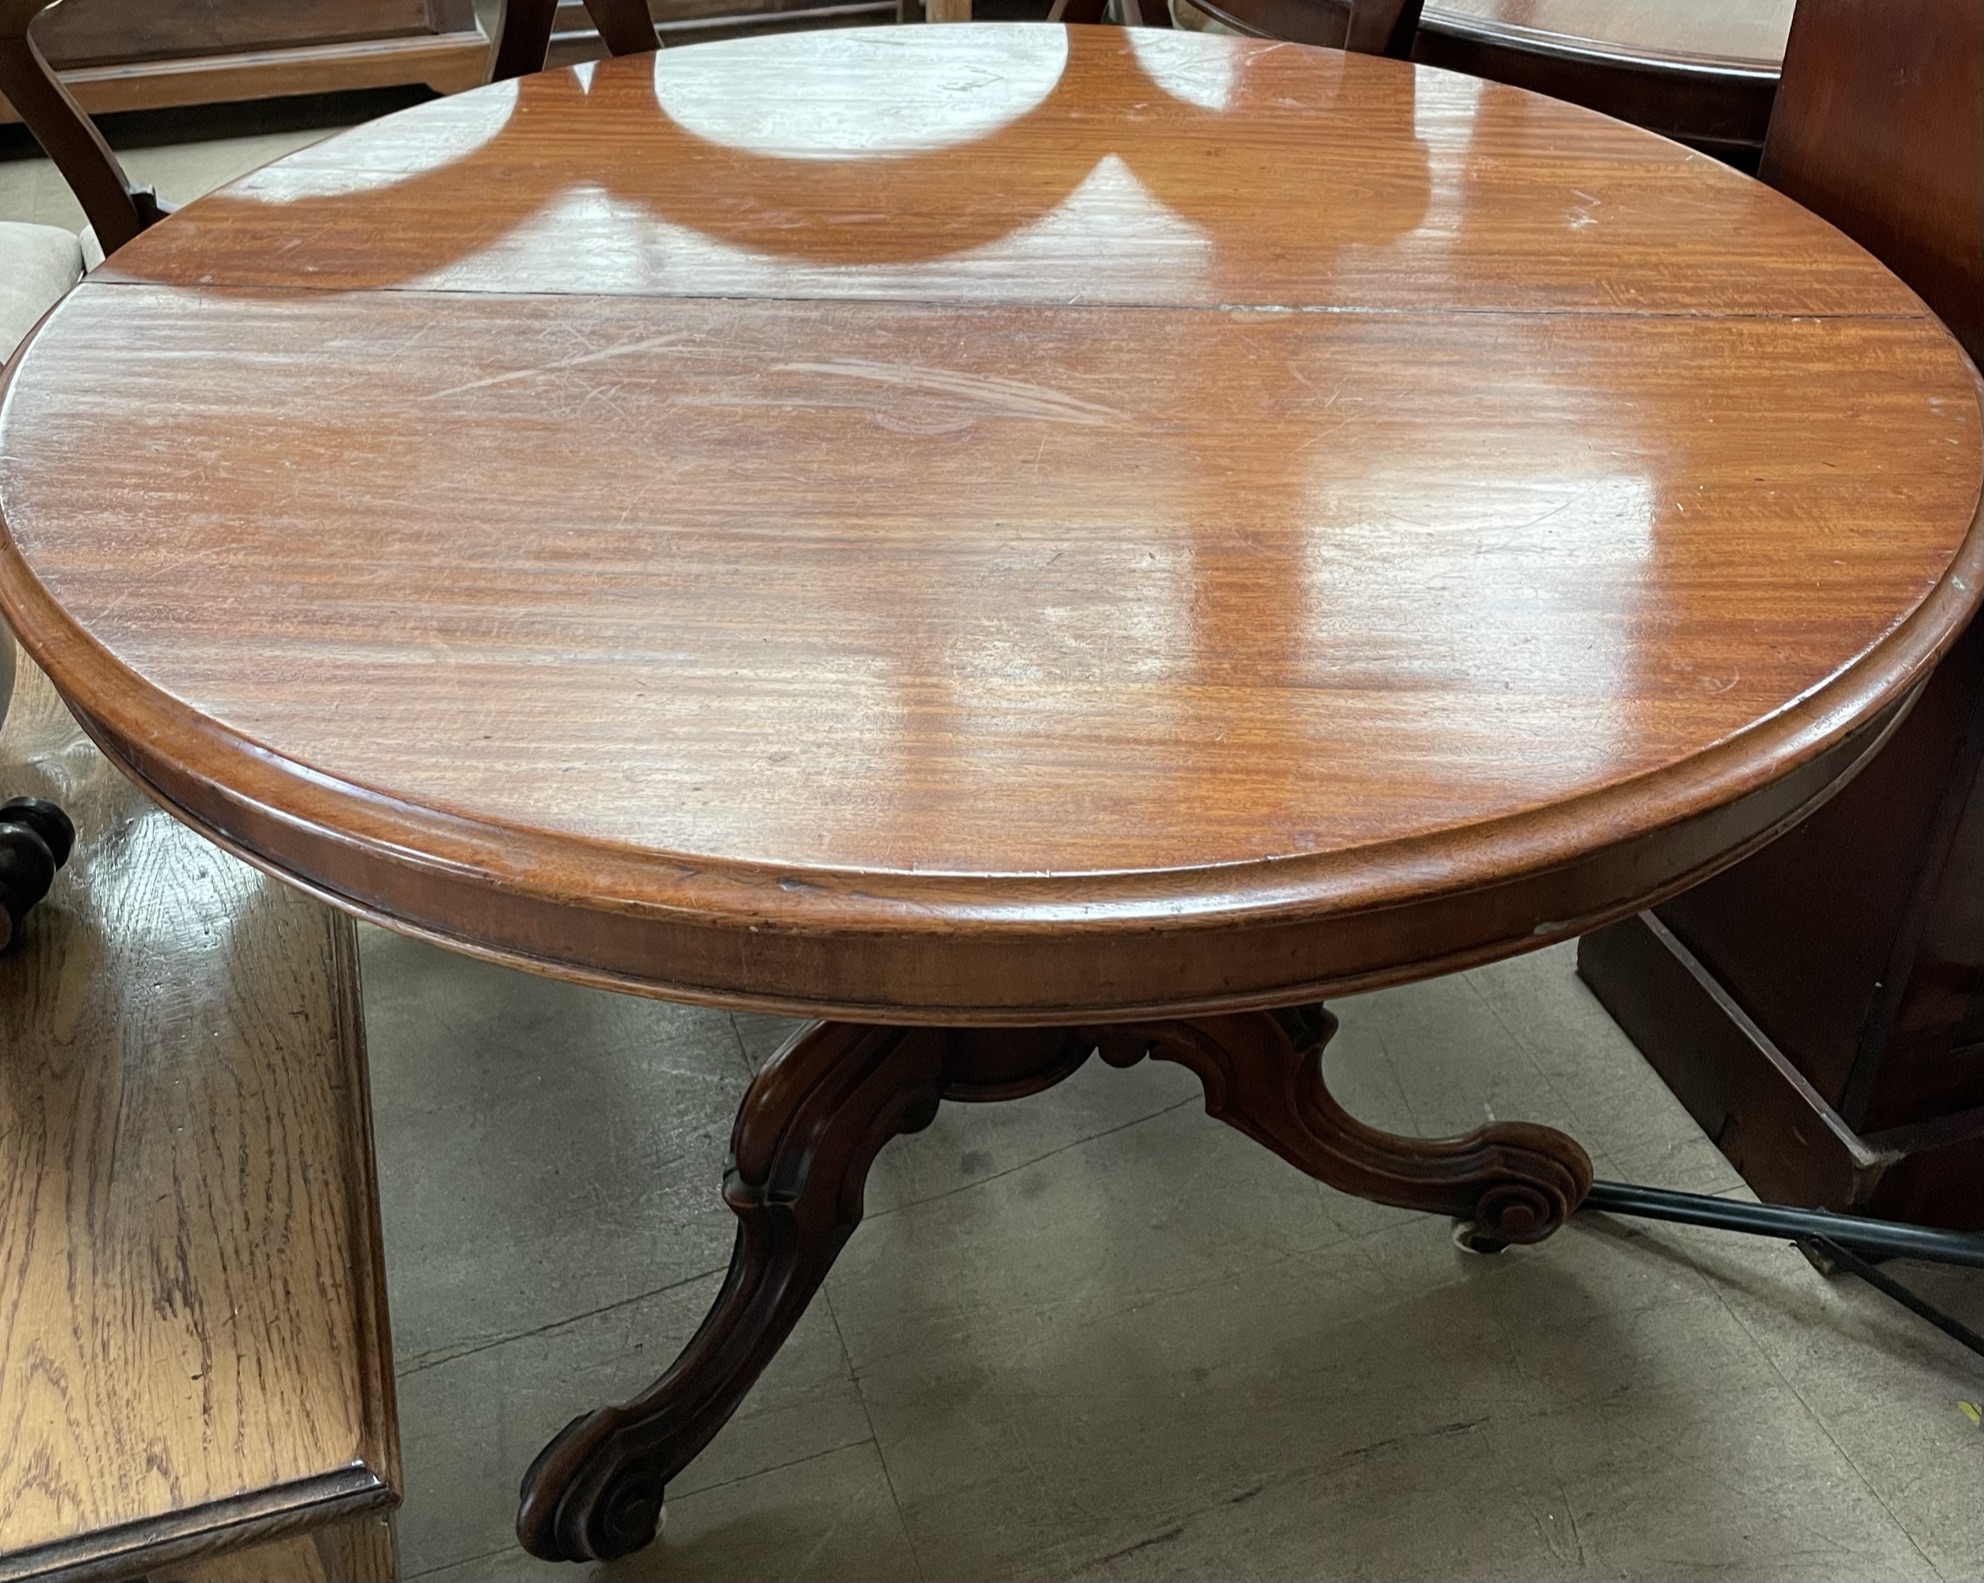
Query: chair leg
[36, 839]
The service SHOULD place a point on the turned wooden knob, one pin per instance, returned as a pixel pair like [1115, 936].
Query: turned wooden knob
[36, 838]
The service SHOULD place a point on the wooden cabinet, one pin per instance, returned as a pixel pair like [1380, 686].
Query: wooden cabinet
[116, 55]
[1819, 1008]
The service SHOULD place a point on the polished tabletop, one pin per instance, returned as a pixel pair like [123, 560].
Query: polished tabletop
[970, 522]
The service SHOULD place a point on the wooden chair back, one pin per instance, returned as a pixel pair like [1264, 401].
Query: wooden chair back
[524, 38]
[116, 209]
[1368, 27]
[1879, 127]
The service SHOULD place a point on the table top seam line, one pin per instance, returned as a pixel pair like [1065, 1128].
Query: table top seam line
[957, 305]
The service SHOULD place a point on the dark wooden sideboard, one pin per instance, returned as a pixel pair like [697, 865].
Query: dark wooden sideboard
[1819, 1008]
[123, 55]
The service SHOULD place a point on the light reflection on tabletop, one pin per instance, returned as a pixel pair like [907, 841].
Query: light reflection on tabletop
[1108, 420]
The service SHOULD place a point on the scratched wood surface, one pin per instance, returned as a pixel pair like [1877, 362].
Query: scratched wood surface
[974, 523]
[193, 1341]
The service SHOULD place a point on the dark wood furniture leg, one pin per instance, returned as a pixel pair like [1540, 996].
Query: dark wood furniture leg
[808, 1130]
[36, 838]
[1263, 1073]
[820, 1112]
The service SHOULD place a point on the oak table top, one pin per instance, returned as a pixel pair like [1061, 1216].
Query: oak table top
[990, 523]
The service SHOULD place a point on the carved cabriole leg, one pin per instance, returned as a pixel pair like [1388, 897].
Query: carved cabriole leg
[1263, 1073]
[820, 1112]
[809, 1128]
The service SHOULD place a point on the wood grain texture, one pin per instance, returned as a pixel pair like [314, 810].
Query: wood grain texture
[193, 1338]
[361, 1550]
[1881, 130]
[1014, 163]
[99, 32]
[1007, 521]
[1854, 948]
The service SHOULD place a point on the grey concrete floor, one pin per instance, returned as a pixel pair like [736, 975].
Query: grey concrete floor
[1095, 1334]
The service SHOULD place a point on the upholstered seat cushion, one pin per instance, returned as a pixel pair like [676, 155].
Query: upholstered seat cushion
[37, 264]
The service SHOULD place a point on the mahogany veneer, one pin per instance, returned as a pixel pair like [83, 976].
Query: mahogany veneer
[1022, 540]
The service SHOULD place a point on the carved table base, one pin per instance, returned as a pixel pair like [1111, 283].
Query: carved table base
[820, 1112]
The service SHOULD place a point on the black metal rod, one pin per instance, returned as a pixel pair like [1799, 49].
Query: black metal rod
[1853, 1264]
[1885, 1238]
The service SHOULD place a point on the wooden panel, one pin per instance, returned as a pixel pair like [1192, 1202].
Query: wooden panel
[1856, 944]
[447, 64]
[1744, 1092]
[116, 57]
[362, 1550]
[915, 531]
[1880, 128]
[1933, 1064]
[193, 1340]
[573, 20]
[1749, 1095]
[90, 32]
[1934, 1180]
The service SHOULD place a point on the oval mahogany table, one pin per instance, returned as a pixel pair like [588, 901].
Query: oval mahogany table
[1016, 541]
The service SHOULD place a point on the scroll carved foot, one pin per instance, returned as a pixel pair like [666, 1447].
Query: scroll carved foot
[809, 1129]
[1263, 1073]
